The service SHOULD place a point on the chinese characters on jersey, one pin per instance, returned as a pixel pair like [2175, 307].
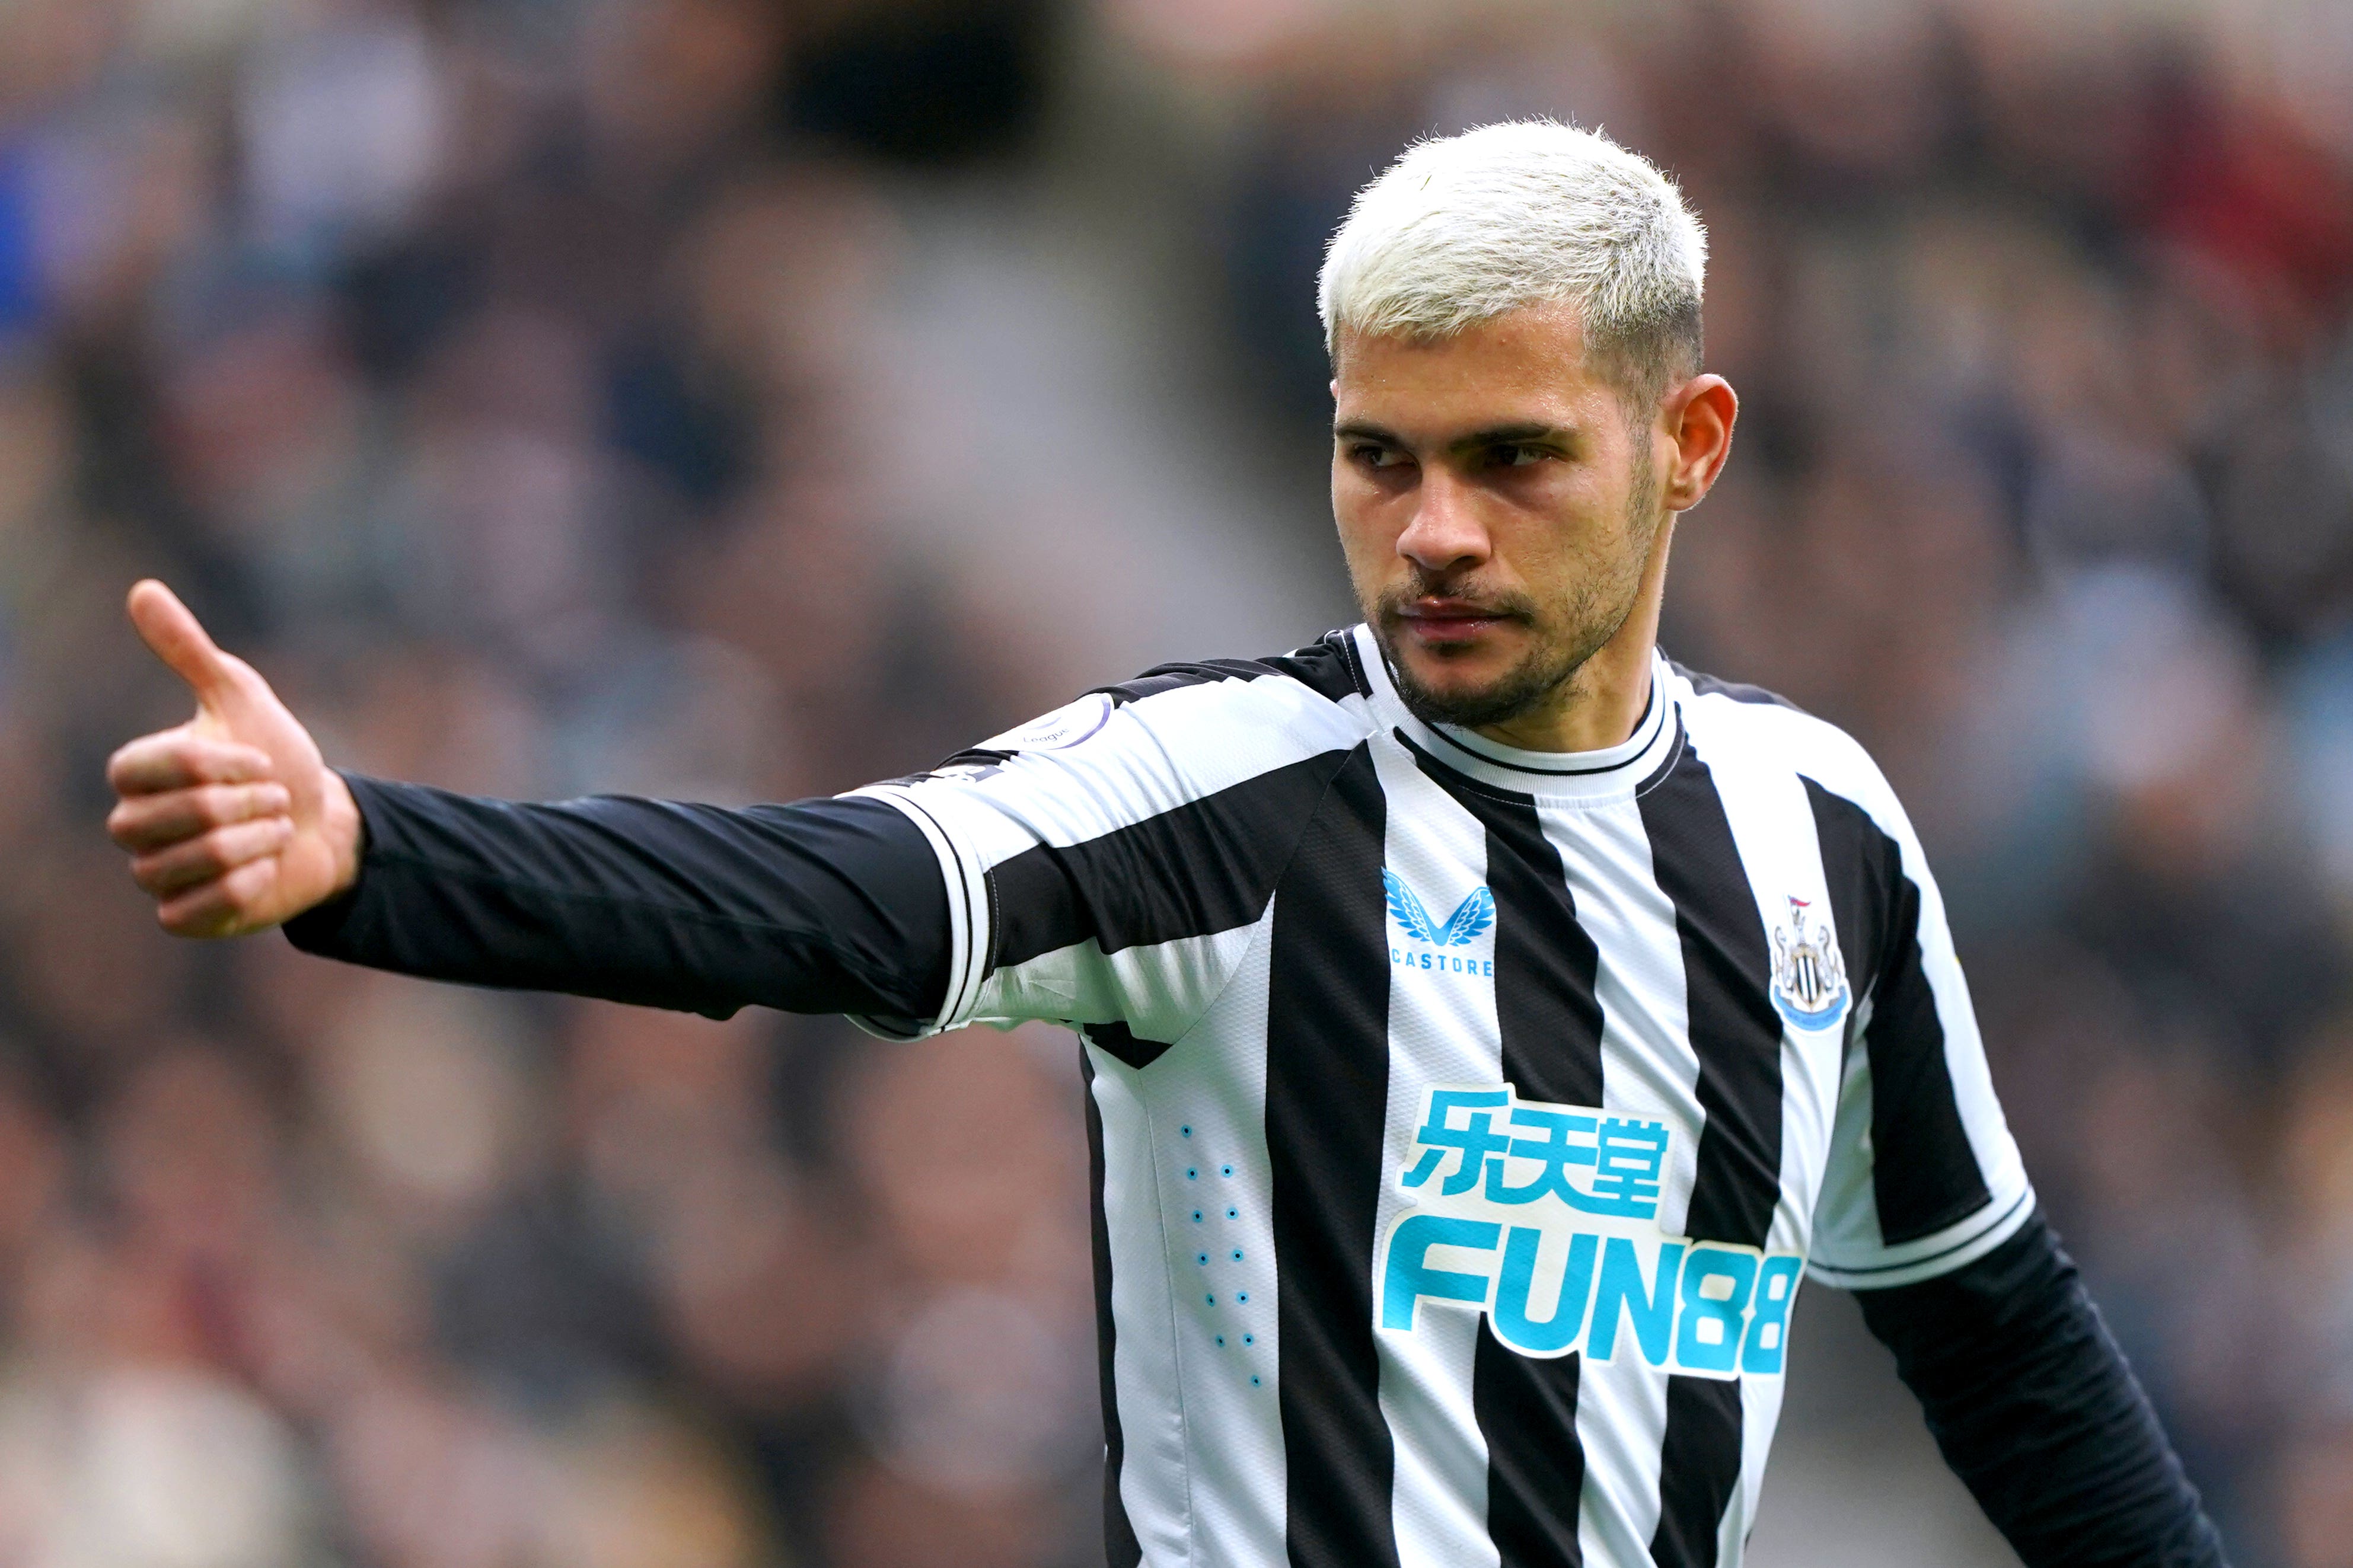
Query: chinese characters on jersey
[1545, 1217]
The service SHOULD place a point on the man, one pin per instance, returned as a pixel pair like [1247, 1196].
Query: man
[1485, 1020]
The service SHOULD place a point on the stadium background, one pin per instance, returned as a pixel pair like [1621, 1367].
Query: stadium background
[696, 395]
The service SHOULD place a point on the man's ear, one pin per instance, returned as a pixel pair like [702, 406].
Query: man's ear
[1697, 419]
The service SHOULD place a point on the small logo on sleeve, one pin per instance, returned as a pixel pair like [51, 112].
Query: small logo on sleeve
[1063, 728]
[1809, 987]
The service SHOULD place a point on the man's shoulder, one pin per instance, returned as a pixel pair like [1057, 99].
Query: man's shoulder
[1702, 684]
[1328, 669]
[1182, 729]
[1721, 712]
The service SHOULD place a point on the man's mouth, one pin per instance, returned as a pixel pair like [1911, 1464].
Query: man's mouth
[1437, 621]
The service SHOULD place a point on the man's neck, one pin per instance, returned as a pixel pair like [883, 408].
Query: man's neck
[1597, 709]
[1599, 706]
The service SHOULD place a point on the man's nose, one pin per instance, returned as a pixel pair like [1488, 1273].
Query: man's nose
[1445, 533]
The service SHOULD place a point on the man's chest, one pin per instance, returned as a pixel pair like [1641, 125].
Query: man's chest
[1613, 1051]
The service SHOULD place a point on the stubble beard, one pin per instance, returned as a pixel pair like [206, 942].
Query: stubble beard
[1567, 639]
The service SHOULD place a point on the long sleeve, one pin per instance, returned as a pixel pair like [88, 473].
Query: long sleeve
[2036, 1411]
[825, 906]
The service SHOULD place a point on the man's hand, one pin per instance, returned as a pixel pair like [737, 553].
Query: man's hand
[234, 821]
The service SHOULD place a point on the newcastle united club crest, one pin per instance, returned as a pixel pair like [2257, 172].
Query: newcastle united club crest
[1809, 974]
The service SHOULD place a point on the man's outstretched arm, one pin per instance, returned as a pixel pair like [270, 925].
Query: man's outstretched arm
[2034, 1408]
[235, 824]
[826, 906]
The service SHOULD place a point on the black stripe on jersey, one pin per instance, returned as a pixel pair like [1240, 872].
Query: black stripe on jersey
[970, 757]
[1676, 747]
[1733, 1027]
[1699, 1464]
[1163, 677]
[1713, 686]
[1204, 867]
[1326, 667]
[1856, 870]
[1326, 1102]
[1119, 1544]
[1914, 1109]
[1526, 1409]
[1551, 1028]
[1123, 1042]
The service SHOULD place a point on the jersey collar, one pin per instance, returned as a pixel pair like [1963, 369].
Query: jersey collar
[1615, 772]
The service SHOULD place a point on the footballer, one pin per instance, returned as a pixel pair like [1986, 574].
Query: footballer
[1488, 1023]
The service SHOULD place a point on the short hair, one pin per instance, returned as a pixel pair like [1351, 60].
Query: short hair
[1461, 230]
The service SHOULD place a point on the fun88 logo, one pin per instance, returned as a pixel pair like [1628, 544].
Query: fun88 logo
[1546, 1218]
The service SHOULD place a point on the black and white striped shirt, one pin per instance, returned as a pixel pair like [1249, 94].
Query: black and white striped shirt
[1464, 1117]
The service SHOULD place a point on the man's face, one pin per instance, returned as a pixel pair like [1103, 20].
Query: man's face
[1497, 509]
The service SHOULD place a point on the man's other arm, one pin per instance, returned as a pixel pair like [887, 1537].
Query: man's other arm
[2023, 1389]
[2034, 1408]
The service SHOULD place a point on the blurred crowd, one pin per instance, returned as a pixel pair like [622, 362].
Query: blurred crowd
[563, 394]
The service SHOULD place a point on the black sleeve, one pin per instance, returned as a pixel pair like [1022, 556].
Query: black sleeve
[826, 906]
[2035, 1410]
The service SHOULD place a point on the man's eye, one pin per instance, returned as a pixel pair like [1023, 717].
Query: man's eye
[1373, 456]
[1519, 456]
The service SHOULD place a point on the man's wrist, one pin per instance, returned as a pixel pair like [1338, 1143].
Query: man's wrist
[345, 830]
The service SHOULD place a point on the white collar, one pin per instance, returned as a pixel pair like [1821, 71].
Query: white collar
[1613, 771]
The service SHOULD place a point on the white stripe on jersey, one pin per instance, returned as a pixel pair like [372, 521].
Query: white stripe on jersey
[1214, 1315]
[1154, 1481]
[1438, 1035]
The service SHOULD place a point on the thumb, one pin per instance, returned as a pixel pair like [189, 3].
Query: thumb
[178, 638]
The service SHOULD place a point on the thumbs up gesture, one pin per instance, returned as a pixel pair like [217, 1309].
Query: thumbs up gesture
[232, 821]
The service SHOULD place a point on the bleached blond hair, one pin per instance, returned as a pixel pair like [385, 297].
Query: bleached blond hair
[1461, 230]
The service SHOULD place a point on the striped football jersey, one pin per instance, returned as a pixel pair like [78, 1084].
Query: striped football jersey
[1463, 1118]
